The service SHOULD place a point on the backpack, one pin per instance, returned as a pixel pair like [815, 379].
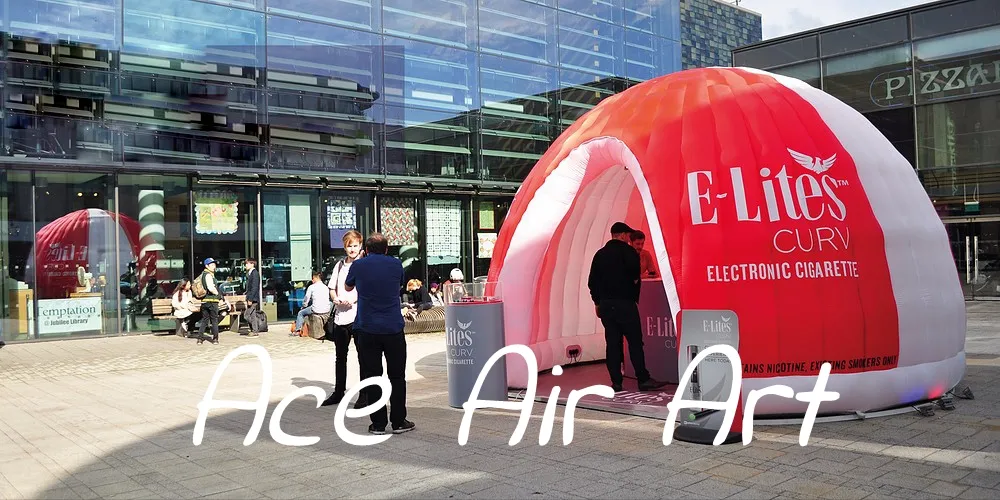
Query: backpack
[198, 286]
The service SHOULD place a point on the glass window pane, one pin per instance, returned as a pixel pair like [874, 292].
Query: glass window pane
[399, 223]
[884, 32]
[290, 227]
[516, 89]
[656, 17]
[448, 238]
[579, 92]
[959, 133]
[225, 229]
[364, 14]
[17, 291]
[956, 17]
[510, 148]
[807, 72]
[91, 22]
[854, 78]
[516, 29]
[958, 65]
[158, 207]
[189, 84]
[450, 22]
[342, 212]
[428, 143]
[897, 126]
[428, 75]
[648, 56]
[324, 84]
[229, 41]
[489, 214]
[604, 10]
[590, 45]
[245, 4]
[780, 54]
[75, 259]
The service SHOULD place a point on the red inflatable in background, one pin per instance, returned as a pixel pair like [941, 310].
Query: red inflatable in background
[759, 194]
[86, 238]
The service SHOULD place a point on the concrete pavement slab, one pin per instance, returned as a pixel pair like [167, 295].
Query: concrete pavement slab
[115, 417]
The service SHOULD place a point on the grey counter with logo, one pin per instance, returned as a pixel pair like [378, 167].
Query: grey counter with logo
[475, 331]
[659, 336]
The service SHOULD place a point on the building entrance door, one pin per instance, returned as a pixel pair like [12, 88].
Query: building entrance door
[976, 247]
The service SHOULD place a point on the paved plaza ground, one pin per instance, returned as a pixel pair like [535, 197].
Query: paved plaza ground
[110, 418]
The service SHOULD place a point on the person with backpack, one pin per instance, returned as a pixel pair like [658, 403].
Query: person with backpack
[341, 328]
[206, 289]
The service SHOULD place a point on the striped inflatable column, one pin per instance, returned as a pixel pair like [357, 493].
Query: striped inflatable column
[152, 234]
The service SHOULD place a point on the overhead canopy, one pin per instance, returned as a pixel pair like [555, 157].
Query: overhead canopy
[758, 194]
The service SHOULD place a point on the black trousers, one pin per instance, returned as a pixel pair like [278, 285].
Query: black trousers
[342, 335]
[210, 316]
[393, 347]
[621, 321]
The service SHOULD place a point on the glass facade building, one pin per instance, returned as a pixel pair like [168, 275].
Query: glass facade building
[929, 79]
[711, 29]
[141, 137]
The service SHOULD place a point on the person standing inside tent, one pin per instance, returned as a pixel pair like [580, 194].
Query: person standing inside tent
[614, 284]
[647, 267]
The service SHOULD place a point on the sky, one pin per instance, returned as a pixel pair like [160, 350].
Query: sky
[783, 17]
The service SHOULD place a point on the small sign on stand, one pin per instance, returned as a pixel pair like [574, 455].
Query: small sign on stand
[712, 379]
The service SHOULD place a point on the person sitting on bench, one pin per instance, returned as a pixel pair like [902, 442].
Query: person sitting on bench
[316, 301]
[186, 310]
[419, 302]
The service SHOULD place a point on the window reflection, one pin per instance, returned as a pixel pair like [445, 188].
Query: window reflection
[195, 32]
[510, 148]
[353, 13]
[324, 82]
[807, 72]
[421, 142]
[188, 87]
[92, 22]
[516, 29]
[959, 133]
[579, 92]
[604, 10]
[956, 65]
[648, 56]
[657, 17]
[590, 45]
[516, 89]
[431, 76]
[450, 22]
[860, 80]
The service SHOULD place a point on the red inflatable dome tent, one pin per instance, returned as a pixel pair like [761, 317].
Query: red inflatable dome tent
[758, 194]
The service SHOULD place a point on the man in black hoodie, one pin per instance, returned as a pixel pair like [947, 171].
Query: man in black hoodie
[614, 287]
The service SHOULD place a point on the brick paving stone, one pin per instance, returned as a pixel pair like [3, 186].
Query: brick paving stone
[946, 489]
[983, 478]
[712, 488]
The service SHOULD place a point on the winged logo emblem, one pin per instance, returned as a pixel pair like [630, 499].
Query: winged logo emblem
[464, 326]
[726, 318]
[816, 164]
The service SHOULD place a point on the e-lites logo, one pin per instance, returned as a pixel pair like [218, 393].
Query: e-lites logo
[810, 195]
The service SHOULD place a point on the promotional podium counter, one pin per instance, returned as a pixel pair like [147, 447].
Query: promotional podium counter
[659, 334]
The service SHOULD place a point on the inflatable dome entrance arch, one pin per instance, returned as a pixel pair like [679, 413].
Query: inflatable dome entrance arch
[758, 194]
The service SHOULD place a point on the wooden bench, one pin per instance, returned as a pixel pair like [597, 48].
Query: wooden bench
[429, 321]
[163, 314]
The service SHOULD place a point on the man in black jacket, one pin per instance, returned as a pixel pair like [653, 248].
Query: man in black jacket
[253, 294]
[614, 287]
